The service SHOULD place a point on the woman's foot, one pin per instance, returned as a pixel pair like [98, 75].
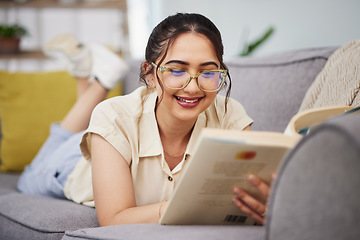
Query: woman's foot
[107, 67]
[77, 56]
[92, 61]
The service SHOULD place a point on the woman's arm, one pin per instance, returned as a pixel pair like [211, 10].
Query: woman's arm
[113, 188]
[248, 128]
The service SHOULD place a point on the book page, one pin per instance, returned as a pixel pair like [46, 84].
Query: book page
[312, 117]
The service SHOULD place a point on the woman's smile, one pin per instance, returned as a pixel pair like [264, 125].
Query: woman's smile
[188, 102]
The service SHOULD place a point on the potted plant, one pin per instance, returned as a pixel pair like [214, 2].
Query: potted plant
[10, 36]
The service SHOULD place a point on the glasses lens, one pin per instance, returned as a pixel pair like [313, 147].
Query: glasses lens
[175, 78]
[211, 81]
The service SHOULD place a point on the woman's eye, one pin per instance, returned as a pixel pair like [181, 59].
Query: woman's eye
[208, 74]
[177, 72]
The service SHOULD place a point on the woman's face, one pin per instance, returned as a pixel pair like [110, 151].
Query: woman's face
[193, 53]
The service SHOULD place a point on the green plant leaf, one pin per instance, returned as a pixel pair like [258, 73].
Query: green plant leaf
[14, 30]
[250, 48]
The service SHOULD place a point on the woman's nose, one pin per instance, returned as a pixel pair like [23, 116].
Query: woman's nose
[192, 86]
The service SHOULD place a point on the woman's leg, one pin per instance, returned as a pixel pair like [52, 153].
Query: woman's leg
[48, 171]
[82, 85]
[79, 116]
[59, 152]
[107, 69]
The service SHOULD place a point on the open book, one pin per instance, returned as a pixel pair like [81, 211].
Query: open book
[223, 159]
[304, 121]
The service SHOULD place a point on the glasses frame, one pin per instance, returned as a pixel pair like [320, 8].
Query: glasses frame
[163, 68]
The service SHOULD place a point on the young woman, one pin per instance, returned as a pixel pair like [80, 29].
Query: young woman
[139, 144]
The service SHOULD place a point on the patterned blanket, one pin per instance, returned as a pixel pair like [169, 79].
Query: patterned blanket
[339, 81]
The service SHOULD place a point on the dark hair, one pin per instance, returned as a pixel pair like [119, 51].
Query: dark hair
[166, 32]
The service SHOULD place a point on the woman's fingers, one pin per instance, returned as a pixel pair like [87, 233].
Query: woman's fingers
[253, 204]
[260, 185]
[249, 205]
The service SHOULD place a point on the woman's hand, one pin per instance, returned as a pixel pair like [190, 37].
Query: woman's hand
[248, 204]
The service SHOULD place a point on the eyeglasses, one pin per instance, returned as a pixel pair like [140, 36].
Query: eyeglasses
[177, 78]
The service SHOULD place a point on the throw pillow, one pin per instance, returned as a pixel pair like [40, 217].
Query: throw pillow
[29, 103]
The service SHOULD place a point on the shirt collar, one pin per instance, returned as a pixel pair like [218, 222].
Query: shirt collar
[199, 125]
[150, 142]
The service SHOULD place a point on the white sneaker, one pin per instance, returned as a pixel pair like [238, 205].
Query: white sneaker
[77, 57]
[107, 67]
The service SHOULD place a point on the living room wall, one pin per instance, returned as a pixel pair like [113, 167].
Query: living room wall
[298, 24]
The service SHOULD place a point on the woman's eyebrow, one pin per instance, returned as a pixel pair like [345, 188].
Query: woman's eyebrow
[186, 63]
[178, 62]
[209, 63]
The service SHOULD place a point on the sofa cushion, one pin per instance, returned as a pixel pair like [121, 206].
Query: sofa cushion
[316, 193]
[271, 88]
[8, 183]
[158, 232]
[29, 103]
[25, 216]
[132, 78]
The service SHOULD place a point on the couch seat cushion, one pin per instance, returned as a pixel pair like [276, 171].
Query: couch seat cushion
[8, 183]
[25, 216]
[159, 232]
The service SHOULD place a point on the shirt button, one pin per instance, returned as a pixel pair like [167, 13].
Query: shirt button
[170, 178]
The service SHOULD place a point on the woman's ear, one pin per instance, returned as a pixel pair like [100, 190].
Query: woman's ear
[149, 74]
[151, 80]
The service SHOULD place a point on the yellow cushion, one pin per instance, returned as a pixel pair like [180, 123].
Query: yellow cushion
[29, 103]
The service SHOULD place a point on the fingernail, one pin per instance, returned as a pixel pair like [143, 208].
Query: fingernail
[238, 191]
[252, 179]
[236, 200]
[273, 176]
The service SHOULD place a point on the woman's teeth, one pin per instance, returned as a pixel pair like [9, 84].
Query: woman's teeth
[188, 101]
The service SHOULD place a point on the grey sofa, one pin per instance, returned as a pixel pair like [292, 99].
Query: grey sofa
[316, 194]
[271, 89]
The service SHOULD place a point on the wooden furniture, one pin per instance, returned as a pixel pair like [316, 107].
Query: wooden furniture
[41, 5]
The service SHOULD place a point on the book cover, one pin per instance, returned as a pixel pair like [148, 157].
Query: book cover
[222, 159]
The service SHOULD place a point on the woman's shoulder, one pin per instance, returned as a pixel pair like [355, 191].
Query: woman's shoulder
[121, 113]
[129, 104]
[223, 104]
[227, 113]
